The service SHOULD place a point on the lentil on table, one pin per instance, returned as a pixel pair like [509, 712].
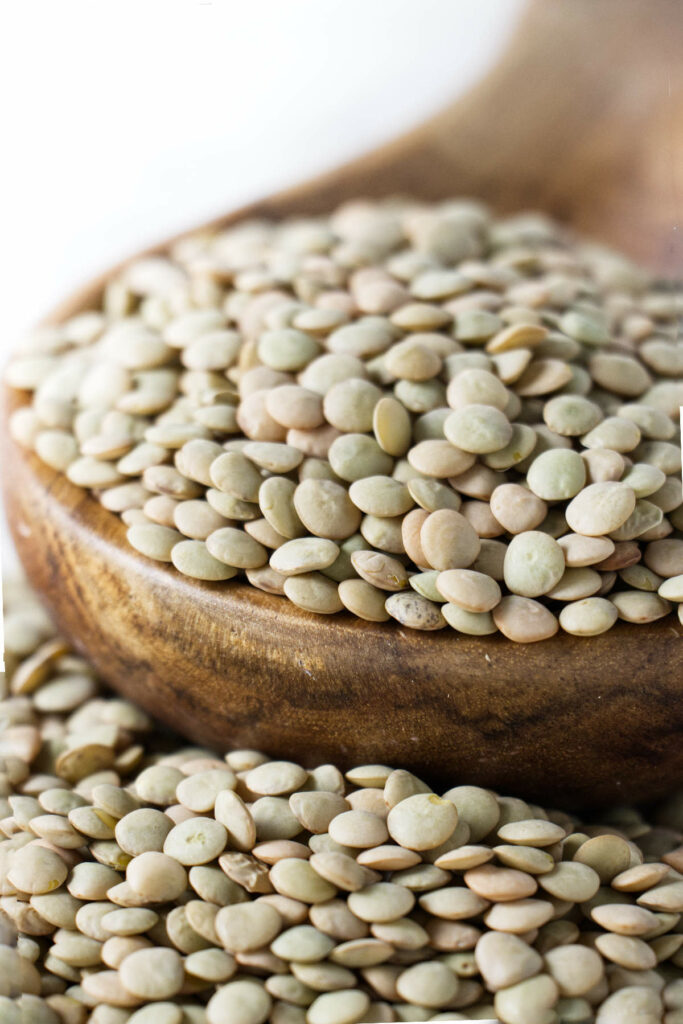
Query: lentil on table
[143, 881]
[402, 382]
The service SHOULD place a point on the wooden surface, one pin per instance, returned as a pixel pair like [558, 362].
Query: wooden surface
[584, 118]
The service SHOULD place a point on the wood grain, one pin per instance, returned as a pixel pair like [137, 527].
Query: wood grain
[584, 118]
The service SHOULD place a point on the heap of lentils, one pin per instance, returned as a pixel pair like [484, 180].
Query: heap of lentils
[143, 881]
[408, 411]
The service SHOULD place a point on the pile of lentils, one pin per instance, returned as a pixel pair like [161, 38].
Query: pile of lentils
[147, 882]
[407, 411]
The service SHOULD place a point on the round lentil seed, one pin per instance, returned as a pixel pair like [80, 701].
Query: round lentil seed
[639, 606]
[381, 496]
[557, 474]
[276, 777]
[347, 1007]
[624, 919]
[600, 508]
[141, 830]
[240, 1002]
[128, 921]
[195, 841]
[614, 432]
[326, 509]
[672, 589]
[628, 952]
[354, 456]
[534, 564]
[383, 901]
[297, 879]
[588, 617]
[380, 570]
[454, 903]
[527, 1001]
[532, 832]
[516, 508]
[37, 870]
[295, 407]
[428, 984]
[358, 829]
[479, 429]
[422, 821]
[363, 600]
[476, 386]
[505, 960]
[448, 540]
[439, 458]
[580, 551]
[470, 623]
[313, 592]
[571, 881]
[244, 927]
[192, 558]
[524, 620]
[157, 877]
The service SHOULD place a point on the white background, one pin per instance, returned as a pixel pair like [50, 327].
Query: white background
[126, 121]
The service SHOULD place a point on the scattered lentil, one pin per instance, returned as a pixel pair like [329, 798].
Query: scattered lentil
[555, 915]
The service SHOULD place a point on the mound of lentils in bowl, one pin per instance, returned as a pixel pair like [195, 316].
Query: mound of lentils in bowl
[411, 412]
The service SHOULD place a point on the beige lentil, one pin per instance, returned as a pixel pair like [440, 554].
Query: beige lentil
[244, 927]
[448, 540]
[472, 591]
[36, 870]
[600, 508]
[422, 821]
[571, 881]
[313, 592]
[304, 555]
[196, 841]
[363, 600]
[156, 877]
[358, 829]
[639, 606]
[518, 917]
[524, 620]
[505, 960]
[240, 1002]
[588, 617]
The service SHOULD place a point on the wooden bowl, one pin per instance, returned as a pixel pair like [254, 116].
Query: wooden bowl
[567, 720]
